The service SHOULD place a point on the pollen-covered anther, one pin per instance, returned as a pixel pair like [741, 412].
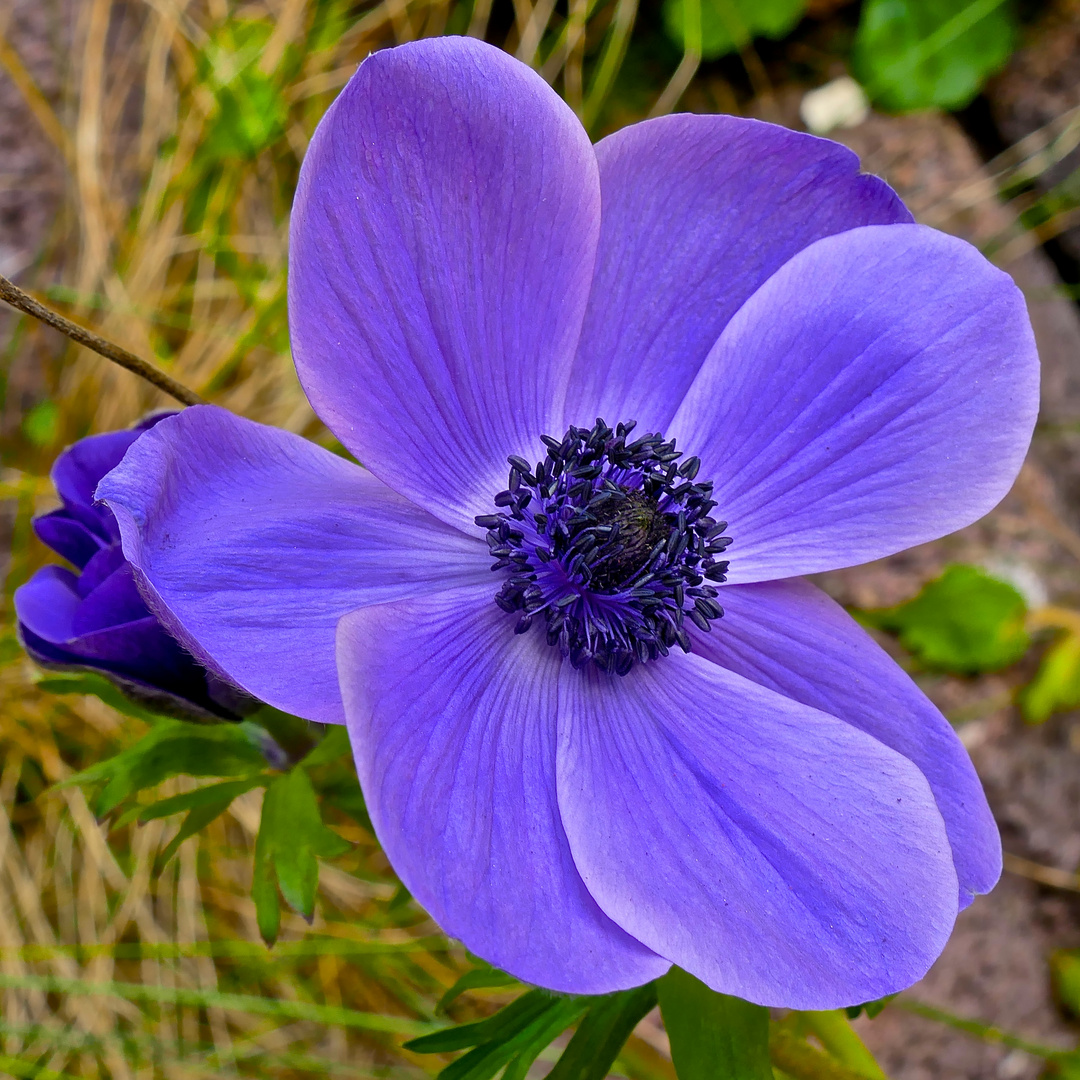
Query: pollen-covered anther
[610, 544]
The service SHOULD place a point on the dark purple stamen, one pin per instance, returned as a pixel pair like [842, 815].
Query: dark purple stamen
[611, 544]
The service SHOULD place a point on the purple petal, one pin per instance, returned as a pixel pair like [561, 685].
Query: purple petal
[141, 647]
[878, 391]
[69, 537]
[698, 211]
[773, 851]
[788, 636]
[102, 566]
[76, 472]
[452, 721]
[47, 603]
[250, 543]
[442, 244]
[146, 663]
[113, 602]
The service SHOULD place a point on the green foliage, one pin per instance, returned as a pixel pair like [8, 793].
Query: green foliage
[1065, 975]
[41, 424]
[713, 1035]
[330, 765]
[202, 806]
[602, 1032]
[964, 621]
[251, 111]
[291, 836]
[1056, 686]
[1062, 198]
[730, 25]
[479, 978]
[506, 1022]
[173, 748]
[513, 1038]
[923, 54]
[99, 687]
[835, 1033]
[871, 1008]
[516, 1035]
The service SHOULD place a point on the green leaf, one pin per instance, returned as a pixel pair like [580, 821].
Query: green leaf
[41, 424]
[871, 1008]
[1065, 1067]
[251, 110]
[602, 1033]
[1056, 686]
[101, 688]
[291, 837]
[333, 745]
[505, 1023]
[342, 791]
[730, 25]
[1065, 976]
[964, 621]
[204, 796]
[264, 890]
[330, 765]
[480, 978]
[713, 1035]
[922, 54]
[173, 748]
[203, 805]
[251, 116]
[521, 1049]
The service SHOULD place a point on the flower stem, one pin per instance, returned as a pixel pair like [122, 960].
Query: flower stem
[26, 303]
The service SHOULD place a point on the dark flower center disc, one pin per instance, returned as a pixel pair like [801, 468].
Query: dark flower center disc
[610, 543]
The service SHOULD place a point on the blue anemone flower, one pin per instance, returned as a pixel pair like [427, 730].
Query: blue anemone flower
[96, 620]
[643, 740]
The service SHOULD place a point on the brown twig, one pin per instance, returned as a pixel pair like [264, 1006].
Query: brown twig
[26, 303]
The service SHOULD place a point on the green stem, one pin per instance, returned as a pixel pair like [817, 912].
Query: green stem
[840, 1039]
[981, 1031]
[802, 1061]
[610, 61]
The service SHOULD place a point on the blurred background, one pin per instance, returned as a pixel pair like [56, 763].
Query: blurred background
[148, 155]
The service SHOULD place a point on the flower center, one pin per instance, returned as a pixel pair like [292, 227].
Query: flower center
[610, 542]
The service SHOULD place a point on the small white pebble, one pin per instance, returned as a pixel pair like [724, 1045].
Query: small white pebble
[973, 733]
[1022, 576]
[1015, 1064]
[840, 103]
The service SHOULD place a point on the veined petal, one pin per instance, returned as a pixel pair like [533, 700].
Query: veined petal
[452, 721]
[47, 603]
[113, 602]
[442, 243]
[69, 537]
[76, 472]
[698, 211]
[788, 636]
[250, 543]
[133, 653]
[775, 852]
[878, 391]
